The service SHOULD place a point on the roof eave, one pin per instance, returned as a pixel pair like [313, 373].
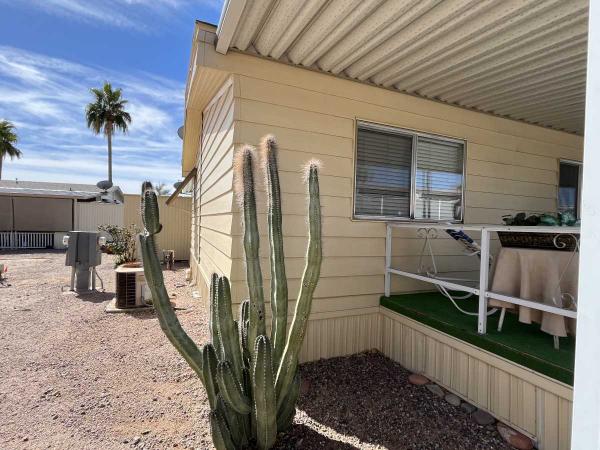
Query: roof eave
[230, 18]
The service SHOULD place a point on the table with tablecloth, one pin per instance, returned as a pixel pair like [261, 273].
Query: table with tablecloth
[534, 274]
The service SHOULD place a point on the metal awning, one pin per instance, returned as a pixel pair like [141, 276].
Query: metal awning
[521, 59]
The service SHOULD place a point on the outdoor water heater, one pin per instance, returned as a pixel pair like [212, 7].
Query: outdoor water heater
[83, 255]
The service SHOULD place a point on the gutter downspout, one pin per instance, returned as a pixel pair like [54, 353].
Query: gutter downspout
[230, 18]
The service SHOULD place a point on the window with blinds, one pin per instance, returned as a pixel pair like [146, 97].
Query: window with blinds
[406, 175]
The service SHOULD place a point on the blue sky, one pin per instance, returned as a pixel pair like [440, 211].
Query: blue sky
[53, 51]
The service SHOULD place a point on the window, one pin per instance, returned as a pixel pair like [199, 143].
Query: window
[407, 175]
[569, 187]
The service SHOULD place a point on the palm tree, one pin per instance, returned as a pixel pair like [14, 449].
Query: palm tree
[162, 189]
[8, 138]
[107, 114]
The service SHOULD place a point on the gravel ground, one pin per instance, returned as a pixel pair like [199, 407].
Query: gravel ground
[75, 377]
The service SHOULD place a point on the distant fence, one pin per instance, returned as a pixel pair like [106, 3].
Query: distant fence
[26, 239]
[175, 218]
[92, 214]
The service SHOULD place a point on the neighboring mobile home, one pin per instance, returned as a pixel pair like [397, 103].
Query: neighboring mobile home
[35, 214]
[421, 111]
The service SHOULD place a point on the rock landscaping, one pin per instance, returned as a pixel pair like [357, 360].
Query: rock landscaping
[514, 438]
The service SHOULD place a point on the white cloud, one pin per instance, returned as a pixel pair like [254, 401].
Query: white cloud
[46, 99]
[139, 15]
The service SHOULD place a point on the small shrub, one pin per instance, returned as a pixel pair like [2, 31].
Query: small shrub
[121, 242]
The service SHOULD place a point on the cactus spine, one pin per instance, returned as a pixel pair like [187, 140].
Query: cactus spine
[252, 382]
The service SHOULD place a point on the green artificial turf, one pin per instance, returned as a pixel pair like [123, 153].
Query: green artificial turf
[524, 344]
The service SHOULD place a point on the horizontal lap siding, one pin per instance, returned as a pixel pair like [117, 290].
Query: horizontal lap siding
[213, 188]
[506, 171]
[510, 167]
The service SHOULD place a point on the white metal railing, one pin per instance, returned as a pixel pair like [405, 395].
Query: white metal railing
[26, 239]
[484, 267]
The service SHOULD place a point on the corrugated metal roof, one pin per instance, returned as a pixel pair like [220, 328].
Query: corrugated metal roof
[523, 59]
[59, 190]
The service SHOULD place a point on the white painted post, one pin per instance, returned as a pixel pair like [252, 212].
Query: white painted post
[484, 270]
[388, 259]
[585, 433]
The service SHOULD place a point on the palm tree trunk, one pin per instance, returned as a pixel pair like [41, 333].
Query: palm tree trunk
[109, 156]
[1, 159]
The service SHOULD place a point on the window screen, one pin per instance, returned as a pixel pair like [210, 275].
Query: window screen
[383, 174]
[386, 165]
[439, 179]
[568, 188]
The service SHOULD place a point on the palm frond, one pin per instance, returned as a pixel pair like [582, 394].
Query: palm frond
[8, 137]
[107, 112]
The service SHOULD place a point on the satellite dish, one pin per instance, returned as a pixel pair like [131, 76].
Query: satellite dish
[180, 132]
[104, 185]
[177, 184]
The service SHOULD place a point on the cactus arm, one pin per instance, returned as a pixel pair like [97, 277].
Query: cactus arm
[287, 411]
[154, 277]
[231, 389]
[243, 323]
[214, 319]
[227, 331]
[264, 394]
[312, 271]
[245, 177]
[251, 419]
[279, 288]
[162, 305]
[209, 370]
[235, 423]
[220, 433]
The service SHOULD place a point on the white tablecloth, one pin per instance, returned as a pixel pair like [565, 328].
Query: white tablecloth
[534, 275]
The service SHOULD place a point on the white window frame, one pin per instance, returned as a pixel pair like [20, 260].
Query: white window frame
[579, 165]
[362, 124]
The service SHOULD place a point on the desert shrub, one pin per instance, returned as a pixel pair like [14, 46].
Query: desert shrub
[121, 242]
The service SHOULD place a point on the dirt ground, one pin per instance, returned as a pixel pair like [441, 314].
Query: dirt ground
[75, 377]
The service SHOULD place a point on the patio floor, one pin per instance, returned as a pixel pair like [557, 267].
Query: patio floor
[521, 343]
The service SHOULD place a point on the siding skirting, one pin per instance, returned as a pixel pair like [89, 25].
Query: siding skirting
[532, 403]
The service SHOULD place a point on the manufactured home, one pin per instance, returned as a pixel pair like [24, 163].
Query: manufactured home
[36, 214]
[433, 120]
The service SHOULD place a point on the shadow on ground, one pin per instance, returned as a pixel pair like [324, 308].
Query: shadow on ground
[302, 436]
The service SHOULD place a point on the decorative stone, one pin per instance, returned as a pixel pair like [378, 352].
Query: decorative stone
[514, 438]
[454, 400]
[482, 418]
[417, 379]
[467, 407]
[435, 389]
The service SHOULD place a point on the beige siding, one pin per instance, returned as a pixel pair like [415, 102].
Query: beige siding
[175, 219]
[533, 403]
[506, 171]
[213, 190]
[510, 166]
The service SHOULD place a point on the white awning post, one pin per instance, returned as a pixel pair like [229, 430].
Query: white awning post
[586, 398]
[388, 259]
[484, 271]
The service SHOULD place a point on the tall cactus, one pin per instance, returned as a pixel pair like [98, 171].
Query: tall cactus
[252, 382]
[279, 288]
